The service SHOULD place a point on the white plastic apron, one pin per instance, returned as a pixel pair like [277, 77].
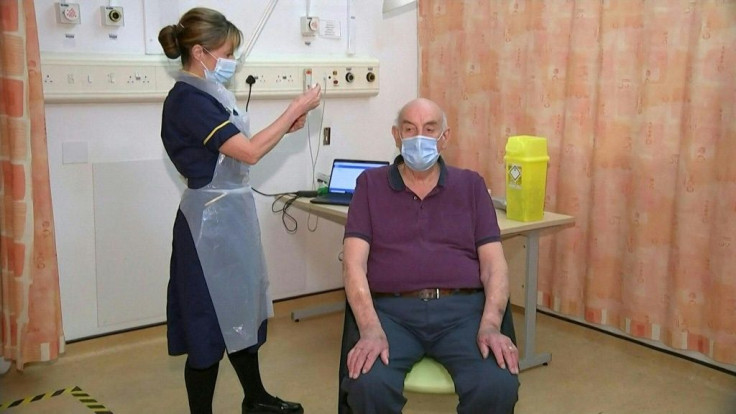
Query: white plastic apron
[224, 225]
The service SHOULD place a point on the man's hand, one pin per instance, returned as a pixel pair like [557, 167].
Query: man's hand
[490, 339]
[370, 346]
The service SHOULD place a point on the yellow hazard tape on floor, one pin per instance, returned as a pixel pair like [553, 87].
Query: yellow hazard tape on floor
[76, 392]
[29, 400]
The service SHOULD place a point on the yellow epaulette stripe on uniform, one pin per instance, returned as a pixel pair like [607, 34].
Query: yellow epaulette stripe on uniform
[217, 128]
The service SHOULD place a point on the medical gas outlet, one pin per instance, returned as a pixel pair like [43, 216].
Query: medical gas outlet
[309, 26]
[68, 13]
[112, 16]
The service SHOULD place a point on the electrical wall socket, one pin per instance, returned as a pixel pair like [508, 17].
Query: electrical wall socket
[326, 136]
[112, 16]
[68, 13]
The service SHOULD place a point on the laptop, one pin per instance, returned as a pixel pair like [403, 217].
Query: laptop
[342, 180]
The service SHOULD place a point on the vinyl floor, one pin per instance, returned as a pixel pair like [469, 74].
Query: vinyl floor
[590, 373]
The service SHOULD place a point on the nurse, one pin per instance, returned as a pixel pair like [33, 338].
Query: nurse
[217, 293]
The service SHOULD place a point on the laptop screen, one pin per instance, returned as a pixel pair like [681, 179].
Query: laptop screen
[345, 173]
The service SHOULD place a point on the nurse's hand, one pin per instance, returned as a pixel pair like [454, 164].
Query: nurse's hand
[308, 100]
[299, 123]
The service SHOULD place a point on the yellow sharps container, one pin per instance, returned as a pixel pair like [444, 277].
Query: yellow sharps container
[526, 177]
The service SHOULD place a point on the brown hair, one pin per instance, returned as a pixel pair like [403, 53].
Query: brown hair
[198, 26]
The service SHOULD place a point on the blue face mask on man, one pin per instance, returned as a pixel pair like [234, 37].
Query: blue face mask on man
[224, 69]
[420, 152]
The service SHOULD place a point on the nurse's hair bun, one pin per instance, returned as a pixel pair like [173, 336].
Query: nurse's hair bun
[168, 37]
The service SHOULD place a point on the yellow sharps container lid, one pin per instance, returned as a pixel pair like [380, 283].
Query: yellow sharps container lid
[528, 147]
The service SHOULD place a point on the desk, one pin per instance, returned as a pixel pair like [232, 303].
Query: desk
[509, 228]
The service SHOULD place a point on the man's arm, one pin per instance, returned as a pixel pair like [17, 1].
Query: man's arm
[372, 342]
[494, 276]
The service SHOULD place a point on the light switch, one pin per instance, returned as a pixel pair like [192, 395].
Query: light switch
[74, 152]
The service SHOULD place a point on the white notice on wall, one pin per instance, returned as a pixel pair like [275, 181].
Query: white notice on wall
[329, 29]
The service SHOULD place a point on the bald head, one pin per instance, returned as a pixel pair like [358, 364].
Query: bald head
[422, 108]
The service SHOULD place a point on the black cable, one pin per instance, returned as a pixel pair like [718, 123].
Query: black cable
[300, 193]
[250, 80]
[274, 194]
[286, 218]
[290, 223]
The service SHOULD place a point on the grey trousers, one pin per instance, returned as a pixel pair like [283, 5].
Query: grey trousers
[445, 329]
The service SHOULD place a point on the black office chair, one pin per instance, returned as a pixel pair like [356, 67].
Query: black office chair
[351, 335]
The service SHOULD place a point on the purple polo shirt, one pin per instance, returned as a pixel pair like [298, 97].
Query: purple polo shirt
[417, 244]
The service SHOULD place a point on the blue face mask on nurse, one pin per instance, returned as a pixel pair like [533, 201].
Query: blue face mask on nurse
[223, 71]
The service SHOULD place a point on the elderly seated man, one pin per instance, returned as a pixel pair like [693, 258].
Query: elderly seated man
[425, 274]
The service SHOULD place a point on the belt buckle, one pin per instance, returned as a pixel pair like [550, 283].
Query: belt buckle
[429, 294]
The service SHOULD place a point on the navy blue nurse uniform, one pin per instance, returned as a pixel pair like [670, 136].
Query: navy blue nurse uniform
[194, 126]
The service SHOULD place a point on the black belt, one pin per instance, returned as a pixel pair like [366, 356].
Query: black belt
[427, 294]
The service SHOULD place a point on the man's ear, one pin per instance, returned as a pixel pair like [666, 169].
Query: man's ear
[442, 143]
[397, 136]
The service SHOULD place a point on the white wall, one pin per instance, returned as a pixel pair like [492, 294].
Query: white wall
[126, 166]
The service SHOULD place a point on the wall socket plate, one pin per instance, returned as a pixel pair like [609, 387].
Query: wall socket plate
[326, 136]
[68, 13]
[112, 16]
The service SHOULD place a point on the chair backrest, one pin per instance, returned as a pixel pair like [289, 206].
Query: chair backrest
[430, 375]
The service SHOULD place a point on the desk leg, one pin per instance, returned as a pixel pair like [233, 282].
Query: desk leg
[531, 358]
